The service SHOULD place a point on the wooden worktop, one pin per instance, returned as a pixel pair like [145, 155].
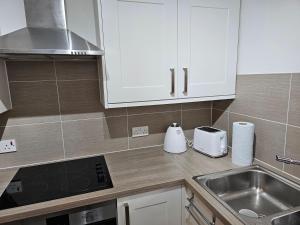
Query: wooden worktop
[133, 172]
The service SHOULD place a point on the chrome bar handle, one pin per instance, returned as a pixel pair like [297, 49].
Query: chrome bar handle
[127, 217]
[172, 81]
[203, 217]
[185, 90]
[287, 160]
[192, 215]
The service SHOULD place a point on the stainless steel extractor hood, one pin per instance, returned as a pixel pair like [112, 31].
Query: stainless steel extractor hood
[46, 33]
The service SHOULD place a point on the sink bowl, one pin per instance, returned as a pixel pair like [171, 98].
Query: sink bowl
[252, 192]
[291, 219]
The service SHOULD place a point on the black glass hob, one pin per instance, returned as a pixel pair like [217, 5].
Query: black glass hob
[56, 180]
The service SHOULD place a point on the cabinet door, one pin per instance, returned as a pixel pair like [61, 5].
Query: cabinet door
[208, 40]
[161, 207]
[140, 42]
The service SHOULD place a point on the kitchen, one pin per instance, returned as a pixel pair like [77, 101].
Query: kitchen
[112, 112]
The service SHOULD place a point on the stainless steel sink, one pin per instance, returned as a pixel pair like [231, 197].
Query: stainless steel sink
[291, 219]
[252, 193]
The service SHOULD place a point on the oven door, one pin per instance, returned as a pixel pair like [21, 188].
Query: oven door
[112, 221]
[104, 214]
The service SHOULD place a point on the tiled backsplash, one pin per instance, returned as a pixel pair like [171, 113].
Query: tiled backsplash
[272, 103]
[57, 114]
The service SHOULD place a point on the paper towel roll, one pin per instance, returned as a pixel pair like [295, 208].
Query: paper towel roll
[242, 143]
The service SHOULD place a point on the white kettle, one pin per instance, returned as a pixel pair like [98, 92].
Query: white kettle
[175, 139]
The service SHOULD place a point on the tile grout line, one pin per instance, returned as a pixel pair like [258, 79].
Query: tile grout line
[211, 113]
[37, 81]
[195, 109]
[289, 174]
[30, 81]
[254, 117]
[222, 110]
[181, 121]
[98, 118]
[127, 124]
[59, 109]
[31, 124]
[78, 157]
[171, 111]
[287, 119]
[229, 126]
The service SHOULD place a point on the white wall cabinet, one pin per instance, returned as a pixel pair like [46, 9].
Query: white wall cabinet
[162, 207]
[169, 51]
[5, 101]
[207, 40]
[140, 42]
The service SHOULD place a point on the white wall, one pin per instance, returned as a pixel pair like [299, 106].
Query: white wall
[12, 16]
[269, 37]
[5, 102]
[81, 19]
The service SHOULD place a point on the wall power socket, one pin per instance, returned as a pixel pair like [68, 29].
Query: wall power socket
[7, 146]
[140, 131]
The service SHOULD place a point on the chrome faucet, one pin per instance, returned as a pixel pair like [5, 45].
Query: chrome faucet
[287, 160]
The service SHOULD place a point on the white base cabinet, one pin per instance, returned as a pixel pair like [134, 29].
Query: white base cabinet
[162, 207]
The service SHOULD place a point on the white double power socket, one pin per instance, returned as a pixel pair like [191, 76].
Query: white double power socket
[7, 146]
[140, 131]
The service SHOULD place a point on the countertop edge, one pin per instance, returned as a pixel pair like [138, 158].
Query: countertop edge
[62, 204]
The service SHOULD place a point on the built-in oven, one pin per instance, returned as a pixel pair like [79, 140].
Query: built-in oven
[100, 214]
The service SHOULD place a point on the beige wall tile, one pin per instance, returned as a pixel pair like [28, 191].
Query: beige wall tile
[95, 136]
[222, 104]
[150, 140]
[80, 100]
[269, 138]
[293, 150]
[294, 112]
[158, 124]
[262, 96]
[195, 118]
[220, 120]
[197, 105]
[189, 134]
[33, 102]
[35, 144]
[30, 70]
[70, 70]
[153, 109]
